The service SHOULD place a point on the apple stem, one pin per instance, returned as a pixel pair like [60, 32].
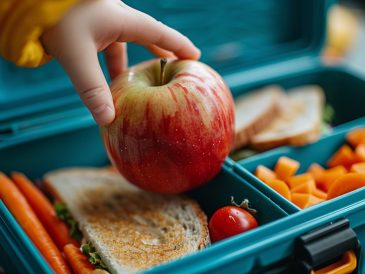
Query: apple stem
[162, 72]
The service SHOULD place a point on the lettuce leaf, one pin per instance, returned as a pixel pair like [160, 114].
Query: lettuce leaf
[63, 214]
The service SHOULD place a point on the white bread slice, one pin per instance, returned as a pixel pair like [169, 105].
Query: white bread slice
[254, 112]
[299, 122]
[131, 229]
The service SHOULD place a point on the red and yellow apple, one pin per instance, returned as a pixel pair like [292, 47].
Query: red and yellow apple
[174, 125]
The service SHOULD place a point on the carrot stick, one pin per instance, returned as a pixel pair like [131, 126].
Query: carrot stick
[286, 168]
[281, 187]
[77, 260]
[345, 184]
[356, 137]
[264, 174]
[19, 207]
[57, 229]
[343, 157]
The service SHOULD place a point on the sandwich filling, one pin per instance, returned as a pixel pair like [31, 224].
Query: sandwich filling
[88, 249]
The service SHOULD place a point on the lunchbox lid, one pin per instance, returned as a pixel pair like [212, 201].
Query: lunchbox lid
[234, 35]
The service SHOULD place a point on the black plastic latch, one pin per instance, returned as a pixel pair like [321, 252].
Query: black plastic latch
[324, 246]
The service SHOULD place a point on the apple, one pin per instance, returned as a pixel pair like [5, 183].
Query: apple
[174, 125]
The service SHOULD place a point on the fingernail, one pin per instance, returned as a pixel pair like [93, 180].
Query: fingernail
[103, 114]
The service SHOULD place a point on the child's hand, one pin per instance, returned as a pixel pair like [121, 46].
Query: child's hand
[95, 25]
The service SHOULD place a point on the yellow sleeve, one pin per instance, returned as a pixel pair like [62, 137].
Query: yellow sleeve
[22, 22]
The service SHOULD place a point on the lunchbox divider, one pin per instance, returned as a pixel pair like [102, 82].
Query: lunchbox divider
[234, 185]
[21, 246]
[283, 203]
[282, 232]
[325, 148]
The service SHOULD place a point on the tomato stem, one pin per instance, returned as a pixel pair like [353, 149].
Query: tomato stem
[244, 205]
[163, 62]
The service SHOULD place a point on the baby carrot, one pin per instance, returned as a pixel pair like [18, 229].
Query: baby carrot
[77, 260]
[286, 168]
[345, 184]
[44, 210]
[23, 213]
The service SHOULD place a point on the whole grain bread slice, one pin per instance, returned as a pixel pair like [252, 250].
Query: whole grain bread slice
[254, 112]
[131, 229]
[298, 123]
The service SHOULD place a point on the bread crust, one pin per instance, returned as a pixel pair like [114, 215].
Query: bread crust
[131, 229]
[263, 113]
[308, 132]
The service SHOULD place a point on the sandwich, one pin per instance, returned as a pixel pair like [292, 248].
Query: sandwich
[298, 123]
[125, 229]
[270, 117]
[254, 112]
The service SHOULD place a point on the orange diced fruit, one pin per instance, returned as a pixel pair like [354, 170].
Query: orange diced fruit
[300, 179]
[329, 176]
[264, 174]
[346, 184]
[356, 137]
[307, 187]
[358, 168]
[343, 157]
[316, 171]
[360, 153]
[286, 168]
[281, 187]
[320, 194]
[304, 200]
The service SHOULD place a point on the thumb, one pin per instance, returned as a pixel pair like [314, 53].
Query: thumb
[82, 66]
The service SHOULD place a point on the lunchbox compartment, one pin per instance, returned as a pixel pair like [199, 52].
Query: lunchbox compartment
[344, 90]
[319, 152]
[36, 157]
[273, 245]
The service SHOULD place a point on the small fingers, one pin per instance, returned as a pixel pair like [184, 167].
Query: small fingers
[116, 58]
[159, 52]
[145, 30]
[82, 65]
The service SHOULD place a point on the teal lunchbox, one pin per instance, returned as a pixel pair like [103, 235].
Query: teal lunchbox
[43, 126]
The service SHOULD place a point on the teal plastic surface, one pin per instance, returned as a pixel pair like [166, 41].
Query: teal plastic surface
[257, 251]
[240, 34]
[17, 249]
[44, 127]
[319, 152]
[237, 35]
[30, 91]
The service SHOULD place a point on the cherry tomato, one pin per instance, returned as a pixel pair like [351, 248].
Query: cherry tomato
[228, 221]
